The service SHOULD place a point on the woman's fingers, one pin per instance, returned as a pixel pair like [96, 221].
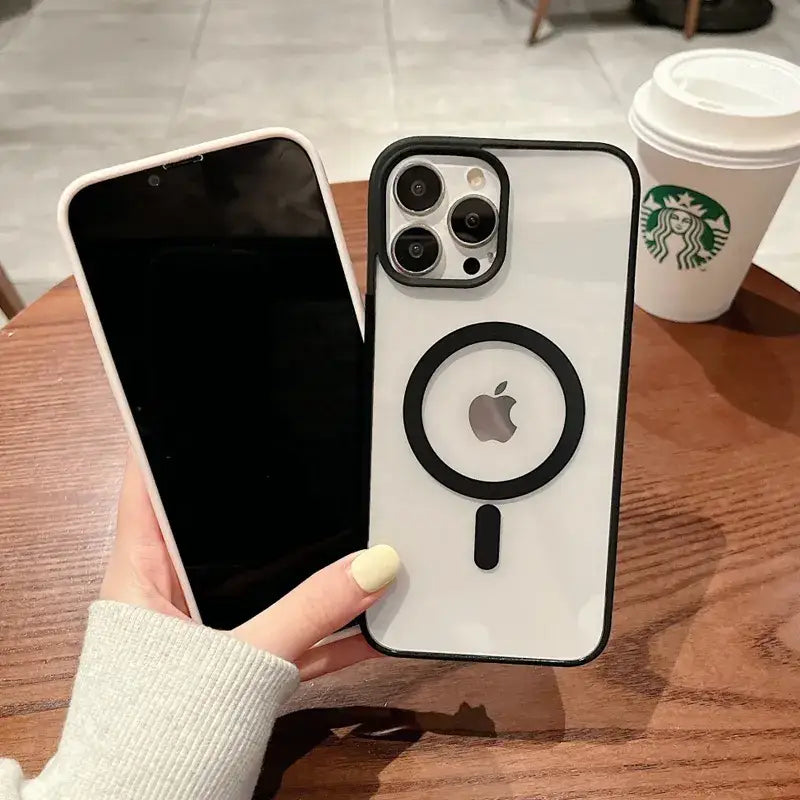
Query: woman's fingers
[334, 656]
[321, 605]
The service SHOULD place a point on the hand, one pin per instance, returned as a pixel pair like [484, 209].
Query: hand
[140, 572]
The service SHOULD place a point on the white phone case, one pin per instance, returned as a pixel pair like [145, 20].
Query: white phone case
[538, 353]
[155, 162]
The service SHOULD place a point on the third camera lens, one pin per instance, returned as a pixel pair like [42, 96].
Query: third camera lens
[418, 188]
[473, 220]
[416, 250]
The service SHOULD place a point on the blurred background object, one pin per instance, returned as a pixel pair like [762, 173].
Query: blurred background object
[706, 16]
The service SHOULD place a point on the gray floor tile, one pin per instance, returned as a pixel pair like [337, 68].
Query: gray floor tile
[628, 56]
[556, 83]
[468, 22]
[108, 36]
[238, 28]
[461, 21]
[71, 117]
[787, 24]
[786, 8]
[291, 87]
[34, 252]
[30, 291]
[35, 67]
[79, 77]
[141, 6]
[100, 92]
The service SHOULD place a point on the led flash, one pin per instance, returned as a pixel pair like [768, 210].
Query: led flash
[476, 178]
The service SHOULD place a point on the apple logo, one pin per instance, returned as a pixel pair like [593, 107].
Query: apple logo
[490, 417]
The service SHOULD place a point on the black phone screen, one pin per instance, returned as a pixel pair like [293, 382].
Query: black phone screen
[229, 319]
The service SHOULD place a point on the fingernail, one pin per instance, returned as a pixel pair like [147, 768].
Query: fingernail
[375, 568]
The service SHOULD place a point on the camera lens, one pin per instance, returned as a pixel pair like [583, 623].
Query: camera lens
[153, 180]
[473, 221]
[418, 188]
[416, 250]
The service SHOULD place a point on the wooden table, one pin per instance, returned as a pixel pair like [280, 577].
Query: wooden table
[697, 695]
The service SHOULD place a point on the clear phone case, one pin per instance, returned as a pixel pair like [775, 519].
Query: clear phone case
[496, 409]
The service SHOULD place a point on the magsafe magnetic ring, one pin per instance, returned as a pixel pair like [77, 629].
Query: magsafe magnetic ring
[488, 518]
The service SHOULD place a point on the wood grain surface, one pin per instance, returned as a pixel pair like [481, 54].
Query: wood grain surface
[697, 695]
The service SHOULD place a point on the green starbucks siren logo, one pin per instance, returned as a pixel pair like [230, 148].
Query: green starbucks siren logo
[683, 227]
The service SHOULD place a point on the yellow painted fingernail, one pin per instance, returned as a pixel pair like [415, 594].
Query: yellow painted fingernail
[375, 568]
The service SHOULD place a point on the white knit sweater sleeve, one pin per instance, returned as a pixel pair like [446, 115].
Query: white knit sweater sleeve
[161, 709]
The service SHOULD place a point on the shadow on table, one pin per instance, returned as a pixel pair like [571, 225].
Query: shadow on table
[667, 559]
[349, 747]
[392, 730]
[754, 313]
[766, 392]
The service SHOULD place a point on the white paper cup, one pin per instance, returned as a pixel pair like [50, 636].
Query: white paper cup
[718, 145]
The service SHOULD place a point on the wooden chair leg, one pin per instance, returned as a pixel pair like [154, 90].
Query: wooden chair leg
[692, 18]
[10, 301]
[539, 14]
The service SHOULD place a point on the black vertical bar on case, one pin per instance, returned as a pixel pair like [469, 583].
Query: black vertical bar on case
[487, 536]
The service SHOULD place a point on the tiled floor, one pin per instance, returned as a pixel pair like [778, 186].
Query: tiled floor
[89, 83]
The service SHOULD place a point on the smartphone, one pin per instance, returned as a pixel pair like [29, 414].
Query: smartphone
[499, 304]
[222, 300]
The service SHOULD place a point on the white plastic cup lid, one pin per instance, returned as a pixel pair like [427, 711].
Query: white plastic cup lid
[732, 108]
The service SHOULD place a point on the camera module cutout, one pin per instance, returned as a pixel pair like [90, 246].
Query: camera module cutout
[444, 225]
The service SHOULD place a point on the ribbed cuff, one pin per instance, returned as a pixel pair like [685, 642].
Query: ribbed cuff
[164, 708]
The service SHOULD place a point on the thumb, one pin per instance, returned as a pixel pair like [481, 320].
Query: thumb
[321, 605]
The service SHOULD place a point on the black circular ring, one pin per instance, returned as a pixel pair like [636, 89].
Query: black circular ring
[537, 344]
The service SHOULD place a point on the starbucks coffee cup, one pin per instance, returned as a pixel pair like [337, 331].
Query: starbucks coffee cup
[718, 145]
